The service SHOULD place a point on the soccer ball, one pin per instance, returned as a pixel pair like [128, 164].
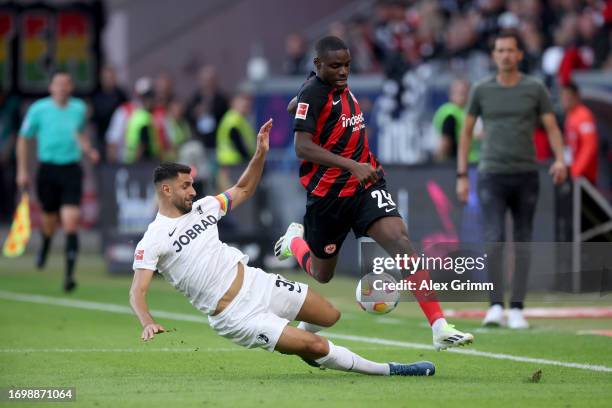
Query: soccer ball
[376, 301]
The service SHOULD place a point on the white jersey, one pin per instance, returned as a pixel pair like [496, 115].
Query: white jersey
[188, 253]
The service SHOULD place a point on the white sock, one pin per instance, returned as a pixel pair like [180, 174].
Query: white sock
[438, 324]
[341, 358]
[309, 327]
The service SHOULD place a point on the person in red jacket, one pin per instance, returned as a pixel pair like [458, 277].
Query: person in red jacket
[580, 134]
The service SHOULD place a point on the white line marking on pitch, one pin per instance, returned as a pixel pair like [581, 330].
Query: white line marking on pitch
[107, 307]
[149, 350]
[102, 307]
[470, 352]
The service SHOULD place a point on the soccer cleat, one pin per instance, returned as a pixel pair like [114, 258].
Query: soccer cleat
[420, 368]
[311, 363]
[494, 317]
[448, 336]
[516, 320]
[282, 248]
[69, 285]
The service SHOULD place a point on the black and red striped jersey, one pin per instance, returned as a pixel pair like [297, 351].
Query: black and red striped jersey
[337, 124]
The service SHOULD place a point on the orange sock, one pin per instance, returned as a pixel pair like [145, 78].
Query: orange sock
[427, 298]
[301, 251]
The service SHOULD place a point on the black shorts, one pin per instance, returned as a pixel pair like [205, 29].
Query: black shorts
[58, 185]
[328, 220]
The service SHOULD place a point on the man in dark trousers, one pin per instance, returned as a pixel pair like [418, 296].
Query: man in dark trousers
[511, 105]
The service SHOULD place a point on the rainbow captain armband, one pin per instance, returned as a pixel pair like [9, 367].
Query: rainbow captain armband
[225, 201]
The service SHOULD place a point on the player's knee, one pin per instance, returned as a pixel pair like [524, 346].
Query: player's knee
[334, 316]
[399, 235]
[70, 229]
[70, 226]
[322, 276]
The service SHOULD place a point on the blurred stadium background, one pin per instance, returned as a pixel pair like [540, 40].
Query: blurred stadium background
[201, 54]
[196, 59]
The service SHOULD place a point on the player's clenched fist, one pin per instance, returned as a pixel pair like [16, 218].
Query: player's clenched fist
[150, 330]
[364, 172]
[263, 138]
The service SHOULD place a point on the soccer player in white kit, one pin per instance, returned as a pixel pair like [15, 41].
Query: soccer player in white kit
[244, 304]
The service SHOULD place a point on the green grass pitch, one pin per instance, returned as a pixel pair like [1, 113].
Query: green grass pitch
[100, 353]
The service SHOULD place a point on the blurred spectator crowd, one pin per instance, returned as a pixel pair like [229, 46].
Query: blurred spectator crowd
[208, 130]
[415, 42]
[558, 35]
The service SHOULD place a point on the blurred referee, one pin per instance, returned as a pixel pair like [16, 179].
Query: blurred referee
[57, 122]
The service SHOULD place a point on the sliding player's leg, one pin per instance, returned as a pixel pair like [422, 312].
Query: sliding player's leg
[391, 234]
[309, 346]
[259, 316]
[316, 313]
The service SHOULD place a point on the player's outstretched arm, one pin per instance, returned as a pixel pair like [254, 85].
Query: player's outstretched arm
[138, 302]
[308, 150]
[248, 181]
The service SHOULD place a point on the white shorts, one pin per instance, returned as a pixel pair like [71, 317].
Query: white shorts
[257, 316]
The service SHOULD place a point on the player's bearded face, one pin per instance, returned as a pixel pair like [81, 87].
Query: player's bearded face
[333, 67]
[183, 194]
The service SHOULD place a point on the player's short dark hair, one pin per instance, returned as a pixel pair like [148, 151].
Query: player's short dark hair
[509, 34]
[572, 87]
[169, 170]
[329, 43]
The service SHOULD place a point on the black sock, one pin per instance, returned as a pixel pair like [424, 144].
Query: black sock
[46, 243]
[516, 305]
[498, 303]
[72, 249]
[44, 250]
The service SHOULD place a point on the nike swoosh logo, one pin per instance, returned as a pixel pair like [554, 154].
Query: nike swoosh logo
[336, 102]
[389, 209]
[172, 233]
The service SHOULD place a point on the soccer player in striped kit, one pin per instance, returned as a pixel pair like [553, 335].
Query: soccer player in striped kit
[345, 185]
